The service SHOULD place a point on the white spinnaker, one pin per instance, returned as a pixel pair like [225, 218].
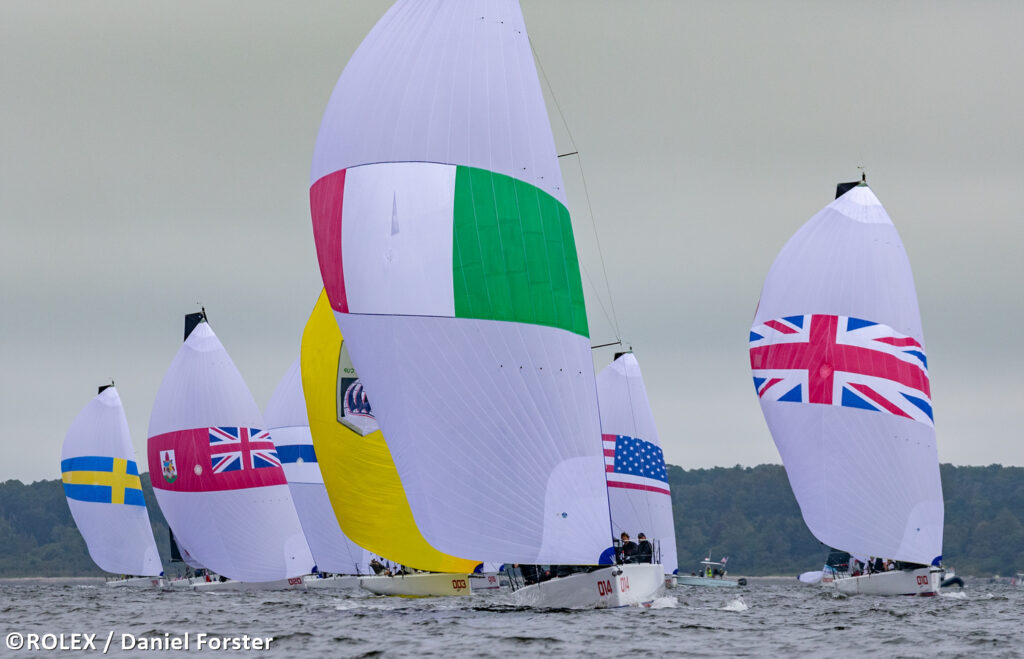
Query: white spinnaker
[249, 533]
[441, 84]
[119, 536]
[867, 482]
[289, 427]
[626, 410]
[516, 398]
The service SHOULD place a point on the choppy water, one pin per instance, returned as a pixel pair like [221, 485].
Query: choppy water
[768, 618]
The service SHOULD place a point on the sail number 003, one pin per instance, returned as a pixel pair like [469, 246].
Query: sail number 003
[459, 584]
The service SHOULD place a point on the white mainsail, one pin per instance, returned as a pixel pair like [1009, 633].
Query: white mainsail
[638, 491]
[289, 428]
[448, 256]
[102, 486]
[215, 473]
[839, 365]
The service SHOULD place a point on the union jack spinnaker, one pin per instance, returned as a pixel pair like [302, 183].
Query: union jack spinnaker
[840, 370]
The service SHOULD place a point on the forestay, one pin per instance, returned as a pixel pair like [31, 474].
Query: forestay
[638, 490]
[215, 472]
[447, 252]
[366, 494]
[289, 428]
[839, 366]
[104, 493]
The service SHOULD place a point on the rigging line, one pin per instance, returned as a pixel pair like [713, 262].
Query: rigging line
[586, 191]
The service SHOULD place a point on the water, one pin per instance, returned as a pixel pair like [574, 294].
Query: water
[768, 618]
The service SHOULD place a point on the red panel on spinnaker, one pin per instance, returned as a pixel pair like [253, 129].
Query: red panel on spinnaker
[214, 470]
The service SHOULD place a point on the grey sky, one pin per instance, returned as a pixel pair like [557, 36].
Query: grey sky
[157, 154]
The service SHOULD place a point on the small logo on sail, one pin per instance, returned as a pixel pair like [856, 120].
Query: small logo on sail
[356, 401]
[169, 466]
[355, 407]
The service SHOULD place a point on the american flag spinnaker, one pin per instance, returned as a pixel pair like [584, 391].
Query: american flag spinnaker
[638, 491]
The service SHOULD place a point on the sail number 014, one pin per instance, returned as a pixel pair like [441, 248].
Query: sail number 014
[605, 587]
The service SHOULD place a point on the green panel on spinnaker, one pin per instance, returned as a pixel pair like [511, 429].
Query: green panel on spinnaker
[514, 257]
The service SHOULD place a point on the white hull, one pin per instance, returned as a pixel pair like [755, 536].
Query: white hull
[439, 584]
[478, 582]
[334, 582]
[137, 582]
[923, 581]
[294, 583]
[713, 582]
[610, 587]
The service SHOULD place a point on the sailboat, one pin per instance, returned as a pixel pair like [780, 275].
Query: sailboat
[216, 475]
[446, 249]
[102, 486]
[339, 561]
[359, 474]
[841, 372]
[638, 491]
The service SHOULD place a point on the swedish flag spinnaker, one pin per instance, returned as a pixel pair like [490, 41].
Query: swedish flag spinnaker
[101, 482]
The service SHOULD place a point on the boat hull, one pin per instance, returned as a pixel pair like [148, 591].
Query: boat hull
[333, 582]
[923, 582]
[611, 587]
[433, 584]
[481, 582]
[137, 582]
[712, 582]
[294, 583]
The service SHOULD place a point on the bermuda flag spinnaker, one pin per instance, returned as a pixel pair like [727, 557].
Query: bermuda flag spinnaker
[447, 252]
[215, 472]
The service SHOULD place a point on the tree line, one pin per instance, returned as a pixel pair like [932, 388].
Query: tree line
[746, 513]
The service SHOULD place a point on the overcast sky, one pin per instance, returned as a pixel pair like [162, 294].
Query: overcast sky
[156, 155]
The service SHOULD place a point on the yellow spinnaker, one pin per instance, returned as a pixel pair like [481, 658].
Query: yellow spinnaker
[361, 479]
